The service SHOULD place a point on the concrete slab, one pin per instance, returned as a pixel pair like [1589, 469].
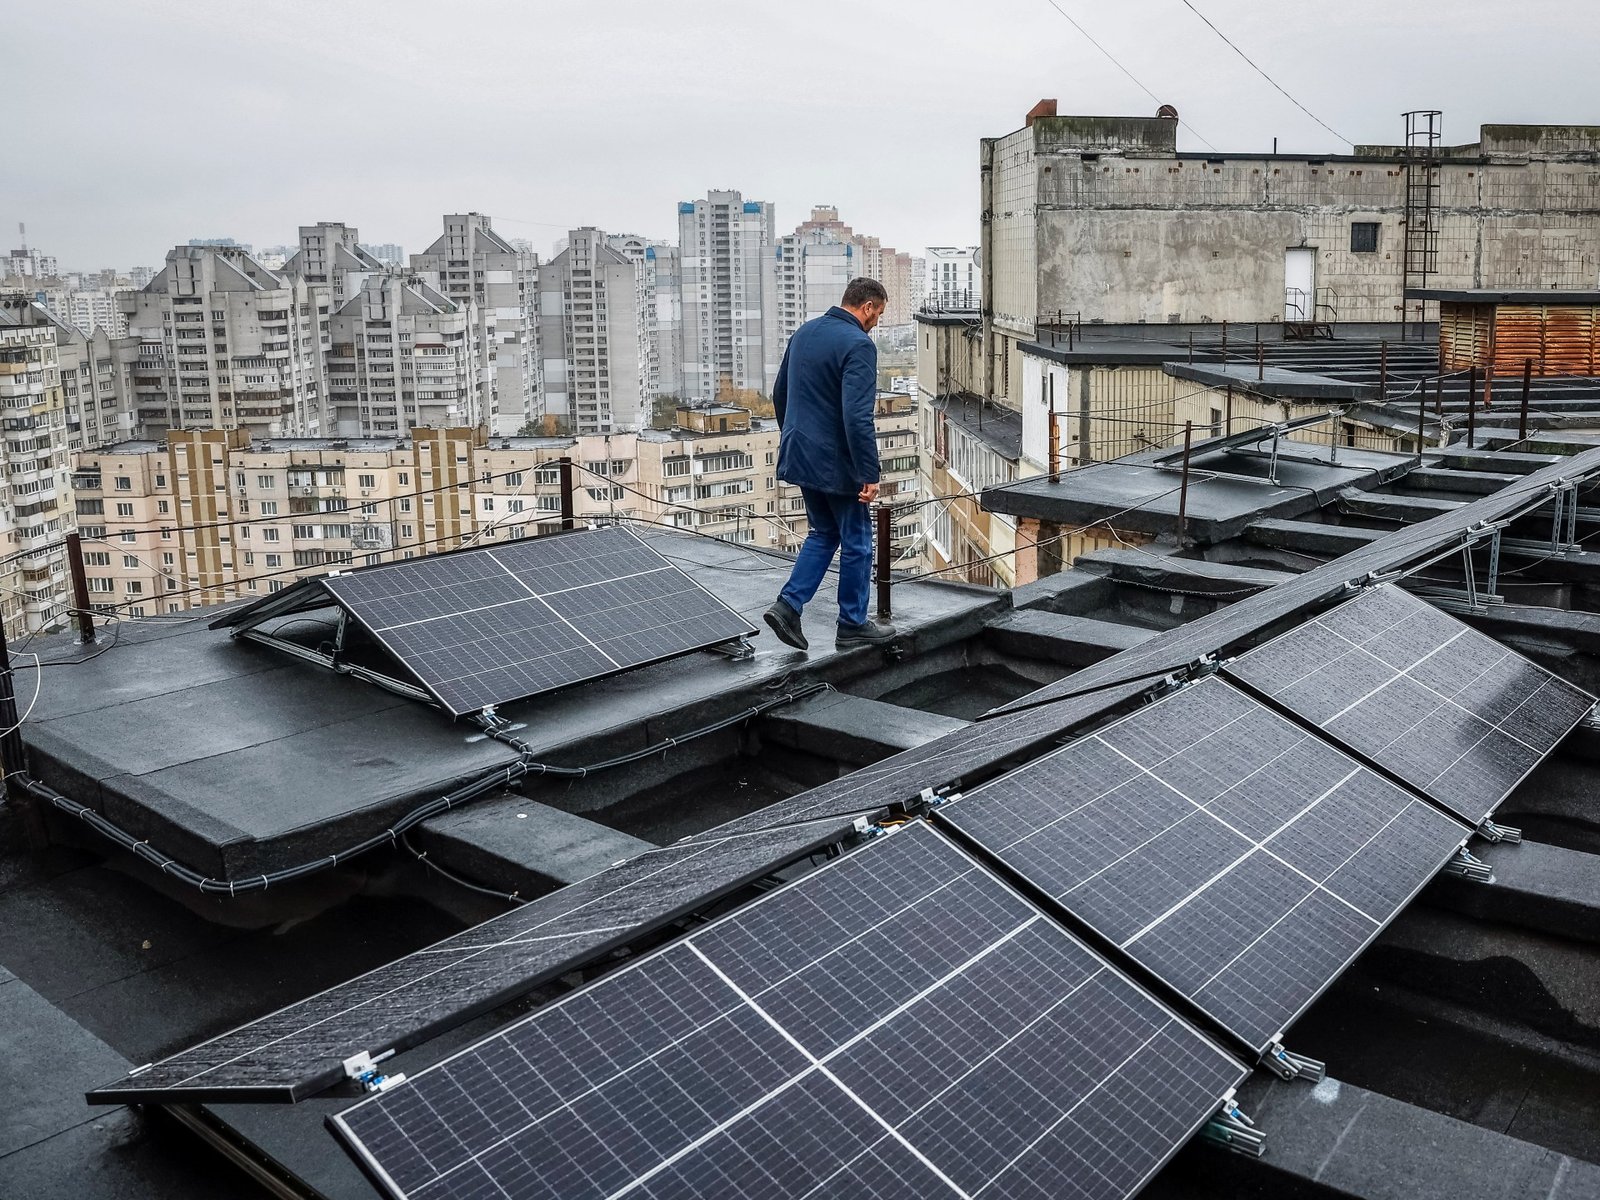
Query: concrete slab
[1192, 574]
[1387, 507]
[521, 844]
[1061, 637]
[1310, 537]
[854, 729]
[237, 760]
[47, 1061]
[1537, 886]
[1357, 1143]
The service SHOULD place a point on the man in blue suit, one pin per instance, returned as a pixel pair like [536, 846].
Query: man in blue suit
[824, 397]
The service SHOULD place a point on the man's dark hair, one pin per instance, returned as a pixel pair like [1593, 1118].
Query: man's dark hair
[861, 290]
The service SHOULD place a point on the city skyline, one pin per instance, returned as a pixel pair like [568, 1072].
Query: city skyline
[693, 104]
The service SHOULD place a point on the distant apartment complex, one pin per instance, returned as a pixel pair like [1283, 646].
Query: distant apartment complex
[499, 283]
[210, 515]
[950, 279]
[596, 311]
[725, 242]
[36, 499]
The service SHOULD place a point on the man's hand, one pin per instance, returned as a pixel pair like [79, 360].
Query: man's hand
[869, 493]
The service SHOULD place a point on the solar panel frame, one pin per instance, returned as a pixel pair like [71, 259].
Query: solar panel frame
[455, 609]
[1132, 824]
[450, 982]
[1391, 677]
[630, 1011]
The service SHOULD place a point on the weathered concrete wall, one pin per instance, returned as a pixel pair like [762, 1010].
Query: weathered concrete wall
[1010, 286]
[1136, 237]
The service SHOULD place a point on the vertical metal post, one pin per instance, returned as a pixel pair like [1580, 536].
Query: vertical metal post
[83, 617]
[882, 565]
[1055, 448]
[1527, 385]
[1183, 486]
[1383, 372]
[568, 510]
[1472, 406]
[1438, 397]
[1422, 407]
[1224, 341]
[1261, 362]
[1488, 387]
[1191, 347]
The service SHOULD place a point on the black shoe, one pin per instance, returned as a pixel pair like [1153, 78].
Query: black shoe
[785, 623]
[868, 633]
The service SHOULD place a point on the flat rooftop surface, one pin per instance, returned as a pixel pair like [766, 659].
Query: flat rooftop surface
[239, 759]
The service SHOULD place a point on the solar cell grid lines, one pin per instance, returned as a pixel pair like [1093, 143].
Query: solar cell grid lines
[499, 623]
[1242, 860]
[1446, 709]
[297, 1051]
[898, 1024]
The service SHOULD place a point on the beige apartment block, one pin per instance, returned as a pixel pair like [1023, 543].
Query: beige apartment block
[206, 516]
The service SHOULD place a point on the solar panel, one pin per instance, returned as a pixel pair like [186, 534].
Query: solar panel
[1448, 710]
[1241, 859]
[496, 624]
[898, 1024]
[298, 1051]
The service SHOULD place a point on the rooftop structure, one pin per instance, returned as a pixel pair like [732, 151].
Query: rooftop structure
[249, 758]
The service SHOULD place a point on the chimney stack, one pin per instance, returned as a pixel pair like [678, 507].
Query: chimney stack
[1045, 108]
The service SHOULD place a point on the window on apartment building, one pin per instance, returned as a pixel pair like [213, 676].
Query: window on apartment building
[402, 478]
[130, 560]
[269, 508]
[514, 506]
[274, 560]
[161, 481]
[163, 507]
[369, 509]
[172, 585]
[1216, 422]
[129, 535]
[124, 483]
[265, 482]
[367, 481]
[488, 504]
[97, 584]
[269, 534]
[166, 558]
[1363, 237]
[124, 510]
[405, 504]
[274, 585]
[97, 558]
[675, 466]
[135, 587]
[407, 531]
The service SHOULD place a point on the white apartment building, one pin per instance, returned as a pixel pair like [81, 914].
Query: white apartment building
[640, 251]
[402, 354]
[665, 265]
[952, 280]
[223, 343]
[480, 270]
[592, 333]
[725, 242]
[331, 256]
[808, 275]
[36, 508]
[89, 309]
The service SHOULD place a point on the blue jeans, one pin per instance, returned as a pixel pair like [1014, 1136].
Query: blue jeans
[842, 524]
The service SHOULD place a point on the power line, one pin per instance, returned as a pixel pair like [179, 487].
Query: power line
[1122, 68]
[1265, 76]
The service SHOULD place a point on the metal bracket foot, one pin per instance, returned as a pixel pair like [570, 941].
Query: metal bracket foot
[1288, 1065]
[739, 649]
[1468, 867]
[1490, 832]
[1232, 1130]
[364, 1070]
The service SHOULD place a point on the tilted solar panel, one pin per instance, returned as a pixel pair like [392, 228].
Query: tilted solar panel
[1441, 706]
[298, 1051]
[898, 1024]
[500, 623]
[1240, 858]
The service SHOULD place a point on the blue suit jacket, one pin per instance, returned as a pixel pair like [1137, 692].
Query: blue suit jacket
[824, 398]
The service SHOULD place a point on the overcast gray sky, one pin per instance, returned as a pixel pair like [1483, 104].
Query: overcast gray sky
[137, 124]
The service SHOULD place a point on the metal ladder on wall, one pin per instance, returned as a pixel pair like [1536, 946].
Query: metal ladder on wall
[1420, 255]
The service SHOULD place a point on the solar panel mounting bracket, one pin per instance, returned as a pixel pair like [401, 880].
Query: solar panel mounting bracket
[1233, 1130]
[363, 1068]
[1468, 866]
[1286, 1064]
[1490, 831]
[739, 649]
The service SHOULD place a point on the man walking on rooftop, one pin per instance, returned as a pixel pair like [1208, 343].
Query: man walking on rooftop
[826, 391]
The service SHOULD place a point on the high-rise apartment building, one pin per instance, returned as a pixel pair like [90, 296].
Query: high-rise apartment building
[808, 271]
[592, 333]
[640, 251]
[390, 253]
[480, 270]
[331, 256]
[952, 282]
[665, 265]
[223, 343]
[402, 354]
[36, 504]
[89, 309]
[725, 242]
